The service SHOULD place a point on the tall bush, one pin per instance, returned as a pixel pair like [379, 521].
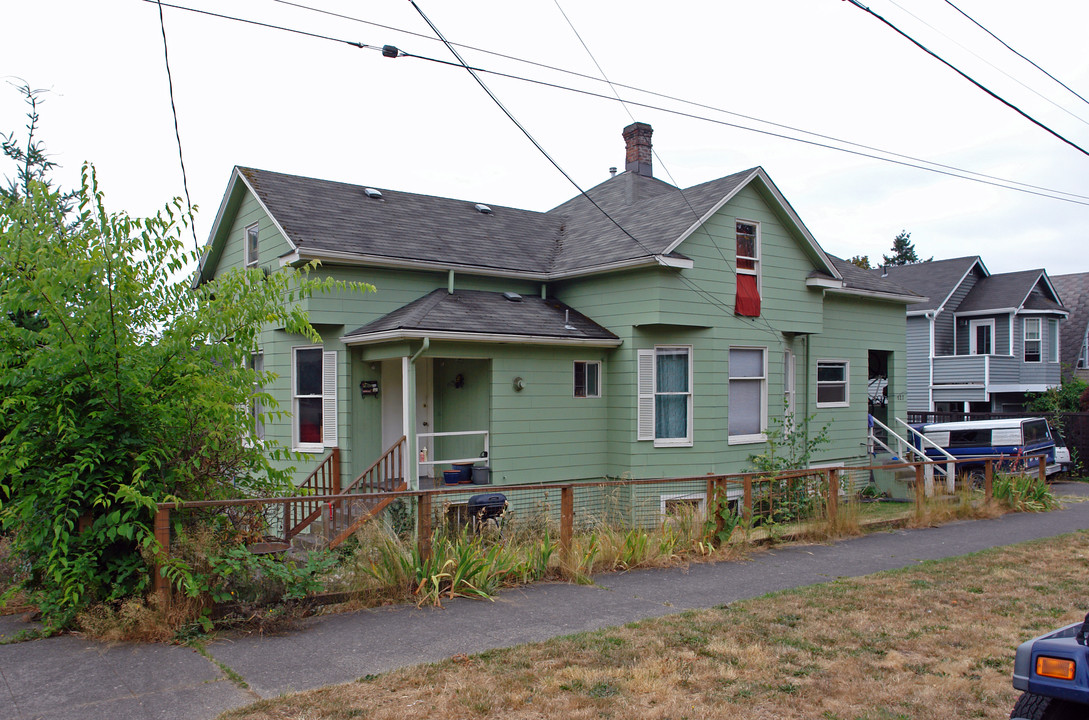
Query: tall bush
[123, 386]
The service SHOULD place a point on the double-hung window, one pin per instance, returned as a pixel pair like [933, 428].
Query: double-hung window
[314, 398]
[1053, 341]
[251, 245]
[1032, 340]
[747, 302]
[981, 337]
[665, 396]
[832, 383]
[748, 396]
[587, 379]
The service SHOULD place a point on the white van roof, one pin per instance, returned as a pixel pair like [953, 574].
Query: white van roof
[996, 424]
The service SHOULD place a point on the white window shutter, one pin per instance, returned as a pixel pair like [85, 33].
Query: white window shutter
[329, 399]
[645, 409]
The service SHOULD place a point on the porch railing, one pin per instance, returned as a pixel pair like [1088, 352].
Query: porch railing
[324, 480]
[448, 461]
[354, 507]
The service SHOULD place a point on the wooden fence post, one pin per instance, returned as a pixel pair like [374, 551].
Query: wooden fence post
[747, 501]
[988, 480]
[1043, 468]
[920, 489]
[567, 521]
[162, 536]
[832, 475]
[423, 525]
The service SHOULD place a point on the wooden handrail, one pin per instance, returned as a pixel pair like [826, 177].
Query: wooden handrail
[324, 480]
[386, 474]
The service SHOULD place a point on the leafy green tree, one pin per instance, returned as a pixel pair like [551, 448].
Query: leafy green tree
[1066, 398]
[133, 388]
[862, 261]
[903, 251]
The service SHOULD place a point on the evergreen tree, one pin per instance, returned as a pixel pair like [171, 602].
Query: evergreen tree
[903, 251]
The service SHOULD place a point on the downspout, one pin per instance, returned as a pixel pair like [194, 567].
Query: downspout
[805, 338]
[410, 416]
[449, 291]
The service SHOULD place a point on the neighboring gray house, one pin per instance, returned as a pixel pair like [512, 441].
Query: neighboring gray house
[981, 341]
[1074, 348]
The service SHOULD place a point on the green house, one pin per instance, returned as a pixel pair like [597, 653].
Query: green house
[638, 330]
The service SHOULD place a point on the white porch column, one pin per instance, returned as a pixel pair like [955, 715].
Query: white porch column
[408, 418]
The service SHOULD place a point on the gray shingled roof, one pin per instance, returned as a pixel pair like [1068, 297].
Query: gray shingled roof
[869, 280]
[486, 313]
[934, 279]
[654, 212]
[1074, 293]
[333, 216]
[1008, 290]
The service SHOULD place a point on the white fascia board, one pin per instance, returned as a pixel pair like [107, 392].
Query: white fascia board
[891, 297]
[991, 311]
[779, 198]
[1064, 313]
[986, 273]
[1027, 387]
[387, 335]
[830, 283]
[236, 177]
[350, 258]
[267, 212]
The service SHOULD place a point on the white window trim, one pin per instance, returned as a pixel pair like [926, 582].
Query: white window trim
[1025, 339]
[587, 396]
[701, 496]
[648, 391]
[972, 325]
[250, 262]
[257, 363]
[846, 382]
[328, 401]
[756, 259]
[1083, 354]
[761, 436]
[1053, 340]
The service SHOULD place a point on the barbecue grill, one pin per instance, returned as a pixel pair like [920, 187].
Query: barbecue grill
[485, 507]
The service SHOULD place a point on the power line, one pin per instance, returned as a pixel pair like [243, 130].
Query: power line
[907, 161]
[665, 96]
[988, 62]
[970, 79]
[177, 133]
[703, 227]
[1045, 72]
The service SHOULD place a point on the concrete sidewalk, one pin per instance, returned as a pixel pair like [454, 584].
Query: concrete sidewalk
[70, 677]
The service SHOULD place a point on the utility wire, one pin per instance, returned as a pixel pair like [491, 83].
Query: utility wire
[988, 62]
[1045, 72]
[970, 79]
[177, 133]
[541, 149]
[703, 227]
[665, 96]
[908, 161]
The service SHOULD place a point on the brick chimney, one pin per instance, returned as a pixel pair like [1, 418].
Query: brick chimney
[639, 157]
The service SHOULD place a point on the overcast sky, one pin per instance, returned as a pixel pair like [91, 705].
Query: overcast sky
[270, 99]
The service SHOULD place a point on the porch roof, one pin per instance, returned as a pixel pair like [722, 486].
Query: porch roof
[480, 316]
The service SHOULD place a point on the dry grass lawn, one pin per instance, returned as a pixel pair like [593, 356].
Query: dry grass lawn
[931, 642]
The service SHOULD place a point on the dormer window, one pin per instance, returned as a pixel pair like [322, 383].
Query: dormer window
[251, 245]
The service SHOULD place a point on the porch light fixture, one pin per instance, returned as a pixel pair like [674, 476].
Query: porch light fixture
[519, 384]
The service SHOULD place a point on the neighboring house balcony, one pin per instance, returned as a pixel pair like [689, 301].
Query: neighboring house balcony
[976, 377]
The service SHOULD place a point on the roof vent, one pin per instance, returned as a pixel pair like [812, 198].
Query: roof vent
[372, 193]
[483, 209]
[567, 321]
[513, 297]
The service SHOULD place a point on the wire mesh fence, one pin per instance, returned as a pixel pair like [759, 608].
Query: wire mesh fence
[621, 516]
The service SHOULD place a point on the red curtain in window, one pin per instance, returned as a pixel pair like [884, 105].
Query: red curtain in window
[748, 296]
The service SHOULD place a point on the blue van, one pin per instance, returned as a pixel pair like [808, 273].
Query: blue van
[980, 440]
